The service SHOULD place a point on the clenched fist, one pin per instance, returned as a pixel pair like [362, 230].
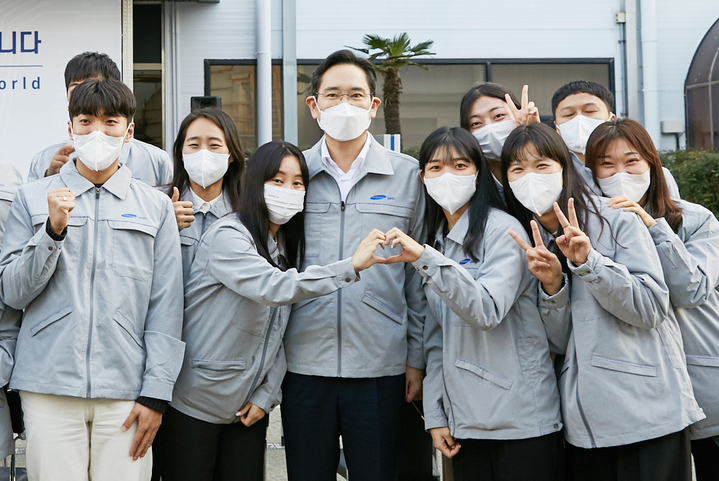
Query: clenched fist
[60, 203]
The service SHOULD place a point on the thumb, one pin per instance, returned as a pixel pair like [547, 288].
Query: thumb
[175, 195]
[130, 420]
[67, 149]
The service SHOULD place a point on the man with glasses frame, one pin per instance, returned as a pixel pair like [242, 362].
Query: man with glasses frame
[352, 357]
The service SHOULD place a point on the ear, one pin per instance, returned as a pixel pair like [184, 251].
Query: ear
[421, 175]
[375, 105]
[312, 104]
[130, 132]
[611, 116]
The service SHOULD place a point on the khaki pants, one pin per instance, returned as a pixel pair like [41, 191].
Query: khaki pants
[76, 439]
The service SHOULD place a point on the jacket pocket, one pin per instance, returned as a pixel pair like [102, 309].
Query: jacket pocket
[315, 227]
[51, 319]
[623, 366]
[132, 249]
[383, 307]
[706, 361]
[219, 368]
[485, 374]
[383, 217]
[128, 327]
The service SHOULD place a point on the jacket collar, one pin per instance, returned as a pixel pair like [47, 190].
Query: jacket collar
[222, 207]
[376, 162]
[459, 231]
[118, 184]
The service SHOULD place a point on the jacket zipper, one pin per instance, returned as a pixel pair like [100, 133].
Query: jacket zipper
[204, 220]
[92, 293]
[339, 294]
[273, 311]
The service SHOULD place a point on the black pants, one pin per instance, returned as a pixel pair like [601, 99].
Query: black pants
[536, 459]
[316, 411]
[416, 448]
[194, 450]
[662, 459]
[706, 458]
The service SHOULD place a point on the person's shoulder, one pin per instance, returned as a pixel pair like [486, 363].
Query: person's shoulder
[500, 222]
[150, 192]
[402, 160]
[229, 224]
[11, 178]
[695, 214]
[140, 147]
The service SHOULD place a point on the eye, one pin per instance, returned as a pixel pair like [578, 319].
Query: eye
[500, 116]
[331, 96]
[357, 96]
[298, 183]
[475, 124]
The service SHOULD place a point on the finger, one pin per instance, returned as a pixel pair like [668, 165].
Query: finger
[130, 420]
[538, 242]
[572, 213]
[66, 149]
[394, 259]
[519, 241]
[139, 434]
[147, 440]
[560, 216]
[175, 194]
[510, 105]
[186, 204]
[525, 97]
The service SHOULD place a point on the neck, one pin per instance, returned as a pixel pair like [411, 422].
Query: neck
[344, 153]
[273, 230]
[581, 156]
[496, 167]
[211, 192]
[453, 218]
[549, 221]
[94, 176]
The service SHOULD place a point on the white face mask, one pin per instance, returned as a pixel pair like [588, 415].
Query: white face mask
[344, 121]
[451, 191]
[282, 203]
[97, 150]
[491, 137]
[205, 167]
[633, 186]
[537, 192]
[576, 132]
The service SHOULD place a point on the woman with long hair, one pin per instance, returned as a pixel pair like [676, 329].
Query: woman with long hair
[626, 394]
[490, 396]
[238, 297]
[627, 167]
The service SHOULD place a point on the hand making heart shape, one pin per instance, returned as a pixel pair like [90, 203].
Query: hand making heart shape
[365, 255]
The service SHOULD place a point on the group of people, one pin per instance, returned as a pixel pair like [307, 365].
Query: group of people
[544, 291]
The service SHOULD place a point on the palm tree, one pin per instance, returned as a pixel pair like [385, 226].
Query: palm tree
[391, 55]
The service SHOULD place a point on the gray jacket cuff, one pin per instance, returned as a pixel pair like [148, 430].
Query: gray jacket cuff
[345, 273]
[556, 301]
[661, 232]
[435, 419]
[588, 270]
[429, 262]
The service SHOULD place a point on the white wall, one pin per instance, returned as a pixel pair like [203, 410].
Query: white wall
[31, 119]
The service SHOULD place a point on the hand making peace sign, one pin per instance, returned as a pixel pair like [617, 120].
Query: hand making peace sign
[527, 112]
[541, 262]
[574, 244]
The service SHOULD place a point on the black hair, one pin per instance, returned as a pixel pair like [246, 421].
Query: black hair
[548, 144]
[99, 96]
[232, 180]
[582, 87]
[341, 57]
[482, 89]
[446, 139]
[88, 65]
[263, 166]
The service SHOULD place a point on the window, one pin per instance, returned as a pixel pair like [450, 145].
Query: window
[235, 81]
[147, 72]
[702, 94]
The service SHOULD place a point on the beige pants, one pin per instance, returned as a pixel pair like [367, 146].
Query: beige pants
[76, 439]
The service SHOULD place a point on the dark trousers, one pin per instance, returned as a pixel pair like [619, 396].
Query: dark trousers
[667, 458]
[416, 449]
[536, 459]
[316, 411]
[194, 450]
[706, 458]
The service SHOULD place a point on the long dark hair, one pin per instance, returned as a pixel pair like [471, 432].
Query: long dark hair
[547, 143]
[232, 179]
[658, 201]
[263, 166]
[459, 140]
[482, 89]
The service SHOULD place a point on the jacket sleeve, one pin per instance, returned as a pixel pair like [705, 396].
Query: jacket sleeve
[163, 326]
[481, 303]
[269, 394]
[692, 266]
[235, 262]
[28, 259]
[414, 293]
[165, 174]
[433, 385]
[671, 184]
[631, 286]
[9, 327]
[37, 166]
[556, 315]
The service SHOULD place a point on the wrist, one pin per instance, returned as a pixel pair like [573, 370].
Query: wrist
[551, 288]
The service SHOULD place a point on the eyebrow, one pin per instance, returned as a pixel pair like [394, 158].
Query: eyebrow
[198, 136]
[456, 159]
[353, 89]
[625, 153]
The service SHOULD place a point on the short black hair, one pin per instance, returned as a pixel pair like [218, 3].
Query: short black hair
[100, 96]
[88, 65]
[582, 87]
[341, 57]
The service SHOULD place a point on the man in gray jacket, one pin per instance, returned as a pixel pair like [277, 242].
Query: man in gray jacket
[353, 356]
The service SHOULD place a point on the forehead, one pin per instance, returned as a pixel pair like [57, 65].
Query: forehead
[344, 77]
[290, 165]
[204, 128]
[619, 148]
[578, 100]
[447, 154]
[486, 104]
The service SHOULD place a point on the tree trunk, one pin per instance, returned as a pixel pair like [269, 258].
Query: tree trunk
[392, 91]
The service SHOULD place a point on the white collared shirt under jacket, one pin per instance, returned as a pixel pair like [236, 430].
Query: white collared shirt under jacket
[237, 306]
[489, 372]
[690, 259]
[103, 307]
[624, 377]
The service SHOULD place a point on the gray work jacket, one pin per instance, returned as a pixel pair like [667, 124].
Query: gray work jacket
[190, 236]
[236, 310]
[147, 163]
[10, 180]
[9, 326]
[690, 260]
[489, 372]
[374, 327]
[624, 377]
[104, 305]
